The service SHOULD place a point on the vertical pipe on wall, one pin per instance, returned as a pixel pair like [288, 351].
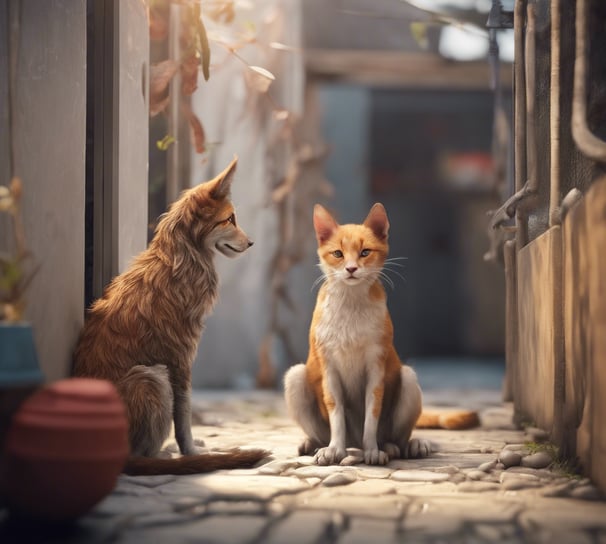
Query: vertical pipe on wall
[103, 142]
[511, 321]
[174, 53]
[588, 143]
[531, 121]
[520, 118]
[554, 116]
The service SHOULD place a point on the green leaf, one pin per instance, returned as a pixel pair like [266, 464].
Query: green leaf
[419, 33]
[165, 142]
[10, 275]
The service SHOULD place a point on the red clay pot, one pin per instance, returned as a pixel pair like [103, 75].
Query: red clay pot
[64, 450]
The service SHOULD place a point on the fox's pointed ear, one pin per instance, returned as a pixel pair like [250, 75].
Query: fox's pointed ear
[220, 187]
[377, 221]
[324, 224]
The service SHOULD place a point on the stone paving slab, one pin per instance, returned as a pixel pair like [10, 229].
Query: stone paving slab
[461, 493]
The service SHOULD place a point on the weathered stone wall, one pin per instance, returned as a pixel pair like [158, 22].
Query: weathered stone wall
[539, 340]
[557, 366]
[585, 330]
[556, 267]
[49, 121]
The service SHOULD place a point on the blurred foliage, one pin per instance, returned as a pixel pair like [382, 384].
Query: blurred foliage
[14, 277]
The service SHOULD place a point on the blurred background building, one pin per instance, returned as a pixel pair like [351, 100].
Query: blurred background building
[344, 103]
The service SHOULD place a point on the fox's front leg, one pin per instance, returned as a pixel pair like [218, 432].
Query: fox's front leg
[332, 393]
[375, 388]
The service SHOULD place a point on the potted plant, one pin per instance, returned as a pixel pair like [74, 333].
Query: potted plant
[19, 370]
[63, 444]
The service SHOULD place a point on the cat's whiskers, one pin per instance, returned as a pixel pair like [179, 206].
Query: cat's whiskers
[379, 272]
[392, 261]
[319, 281]
[395, 272]
[324, 277]
[386, 279]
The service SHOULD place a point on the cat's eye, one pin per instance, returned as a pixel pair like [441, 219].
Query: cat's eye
[337, 253]
[365, 253]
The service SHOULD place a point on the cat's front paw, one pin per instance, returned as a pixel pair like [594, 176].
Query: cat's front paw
[375, 456]
[417, 448]
[197, 448]
[308, 447]
[330, 456]
[392, 450]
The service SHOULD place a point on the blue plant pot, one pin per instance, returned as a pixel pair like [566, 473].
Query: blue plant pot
[18, 358]
[20, 372]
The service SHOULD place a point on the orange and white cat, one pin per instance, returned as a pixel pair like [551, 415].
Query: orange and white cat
[354, 391]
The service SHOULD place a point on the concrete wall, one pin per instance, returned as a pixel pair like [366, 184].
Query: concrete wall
[557, 369]
[238, 121]
[584, 311]
[49, 130]
[540, 338]
[50, 153]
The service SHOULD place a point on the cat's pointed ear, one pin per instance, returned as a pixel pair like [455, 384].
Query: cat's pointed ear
[324, 224]
[377, 221]
[220, 186]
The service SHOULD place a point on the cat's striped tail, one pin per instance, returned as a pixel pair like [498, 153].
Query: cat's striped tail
[450, 420]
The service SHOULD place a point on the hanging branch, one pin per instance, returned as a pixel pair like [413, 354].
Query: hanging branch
[291, 154]
[292, 197]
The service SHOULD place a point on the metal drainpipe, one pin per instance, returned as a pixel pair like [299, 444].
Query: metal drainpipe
[520, 119]
[554, 116]
[530, 65]
[174, 53]
[589, 144]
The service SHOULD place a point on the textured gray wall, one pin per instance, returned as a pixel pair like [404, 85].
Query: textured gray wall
[49, 156]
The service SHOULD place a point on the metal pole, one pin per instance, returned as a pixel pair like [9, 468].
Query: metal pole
[589, 144]
[554, 116]
[520, 118]
[174, 53]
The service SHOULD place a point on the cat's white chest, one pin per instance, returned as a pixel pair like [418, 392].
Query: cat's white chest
[350, 332]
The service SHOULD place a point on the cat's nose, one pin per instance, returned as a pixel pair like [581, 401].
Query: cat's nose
[351, 269]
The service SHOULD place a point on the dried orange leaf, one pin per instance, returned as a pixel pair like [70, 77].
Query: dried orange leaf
[158, 22]
[189, 75]
[197, 133]
[160, 76]
[197, 130]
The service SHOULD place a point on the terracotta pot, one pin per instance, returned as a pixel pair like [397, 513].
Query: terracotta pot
[64, 450]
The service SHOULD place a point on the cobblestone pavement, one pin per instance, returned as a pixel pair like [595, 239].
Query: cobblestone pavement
[491, 484]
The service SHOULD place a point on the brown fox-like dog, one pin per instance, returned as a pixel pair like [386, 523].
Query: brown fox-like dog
[142, 334]
[354, 390]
